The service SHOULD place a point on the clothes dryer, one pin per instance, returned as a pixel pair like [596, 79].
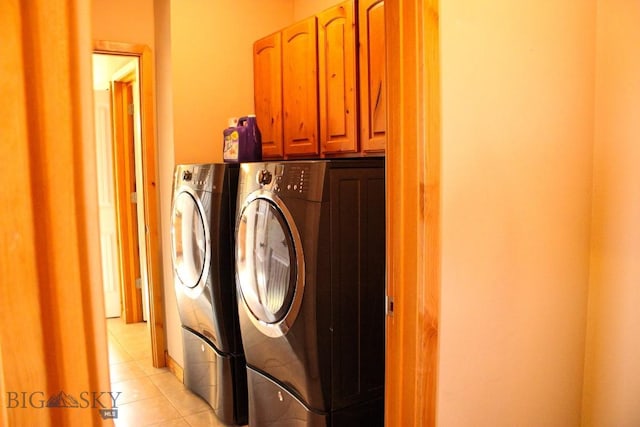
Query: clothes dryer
[310, 271]
[202, 245]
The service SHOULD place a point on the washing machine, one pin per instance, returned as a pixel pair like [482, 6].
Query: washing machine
[310, 272]
[202, 245]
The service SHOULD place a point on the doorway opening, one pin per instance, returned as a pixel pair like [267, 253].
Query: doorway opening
[127, 190]
[117, 118]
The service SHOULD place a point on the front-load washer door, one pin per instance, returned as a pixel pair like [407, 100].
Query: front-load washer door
[269, 264]
[190, 243]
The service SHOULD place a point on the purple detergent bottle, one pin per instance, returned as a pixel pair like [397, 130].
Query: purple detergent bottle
[249, 139]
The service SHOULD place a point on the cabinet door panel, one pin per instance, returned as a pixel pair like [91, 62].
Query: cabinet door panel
[337, 79]
[267, 78]
[300, 88]
[372, 76]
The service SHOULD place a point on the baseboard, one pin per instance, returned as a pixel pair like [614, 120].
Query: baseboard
[174, 367]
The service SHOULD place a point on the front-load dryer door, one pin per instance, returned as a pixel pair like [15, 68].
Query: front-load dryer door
[269, 264]
[190, 243]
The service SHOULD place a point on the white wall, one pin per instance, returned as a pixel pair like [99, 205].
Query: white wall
[104, 66]
[517, 134]
[612, 369]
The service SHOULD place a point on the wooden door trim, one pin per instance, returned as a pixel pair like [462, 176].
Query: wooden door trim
[413, 211]
[150, 186]
[126, 218]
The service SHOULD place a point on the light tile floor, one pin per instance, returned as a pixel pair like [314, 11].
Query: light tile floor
[150, 396]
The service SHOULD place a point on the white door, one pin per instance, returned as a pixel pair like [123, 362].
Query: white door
[104, 168]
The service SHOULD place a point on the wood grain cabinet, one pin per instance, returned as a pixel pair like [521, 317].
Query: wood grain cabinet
[373, 126]
[337, 79]
[310, 77]
[300, 88]
[267, 86]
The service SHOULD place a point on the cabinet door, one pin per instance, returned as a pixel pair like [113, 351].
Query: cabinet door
[373, 100]
[300, 88]
[337, 79]
[267, 90]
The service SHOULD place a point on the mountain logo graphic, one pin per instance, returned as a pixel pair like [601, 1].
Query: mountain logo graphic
[62, 400]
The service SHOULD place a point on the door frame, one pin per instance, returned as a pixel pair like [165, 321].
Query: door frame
[126, 211]
[413, 158]
[149, 188]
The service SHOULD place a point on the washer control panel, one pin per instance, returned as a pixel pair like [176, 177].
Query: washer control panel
[294, 179]
[198, 177]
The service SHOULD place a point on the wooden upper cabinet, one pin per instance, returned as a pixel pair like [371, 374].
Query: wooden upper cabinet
[300, 88]
[319, 84]
[337, 79]
[372, 76]
[267, 86]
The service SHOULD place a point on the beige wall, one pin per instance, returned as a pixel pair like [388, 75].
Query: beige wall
[123, 21]
[212, 64]
[212, 60]
[304, 8]
[612, 369]
[517, 114]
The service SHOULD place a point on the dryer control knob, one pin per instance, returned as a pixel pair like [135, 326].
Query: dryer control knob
[187, 175]
[264, 177]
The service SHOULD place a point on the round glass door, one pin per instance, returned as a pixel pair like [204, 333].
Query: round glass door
[188, 240]
[266, 266]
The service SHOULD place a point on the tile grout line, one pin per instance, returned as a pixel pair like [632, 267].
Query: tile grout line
[147, 375]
